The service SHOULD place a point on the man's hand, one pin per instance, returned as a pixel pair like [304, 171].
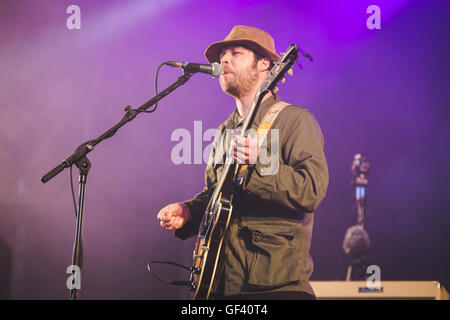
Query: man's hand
[174, 216]
[245, 150]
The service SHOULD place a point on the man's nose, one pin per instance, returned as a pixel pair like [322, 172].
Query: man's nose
[225, 59]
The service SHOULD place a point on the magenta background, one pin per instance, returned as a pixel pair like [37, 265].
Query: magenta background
[381, 92]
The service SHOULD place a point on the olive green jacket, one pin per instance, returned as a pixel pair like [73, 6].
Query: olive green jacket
[268, 239]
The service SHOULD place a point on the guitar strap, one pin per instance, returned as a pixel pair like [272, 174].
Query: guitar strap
[263, 129]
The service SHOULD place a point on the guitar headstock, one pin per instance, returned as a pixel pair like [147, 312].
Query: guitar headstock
[282, 66]
[279, 69]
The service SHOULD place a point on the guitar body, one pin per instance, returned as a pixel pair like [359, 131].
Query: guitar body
[217, 216]
[207, 253]
[209, 242]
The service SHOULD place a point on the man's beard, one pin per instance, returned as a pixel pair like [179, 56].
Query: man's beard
[241, 83]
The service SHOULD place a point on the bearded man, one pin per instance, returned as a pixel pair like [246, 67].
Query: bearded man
[265, 254]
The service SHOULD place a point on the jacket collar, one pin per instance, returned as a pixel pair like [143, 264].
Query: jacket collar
[233, 119]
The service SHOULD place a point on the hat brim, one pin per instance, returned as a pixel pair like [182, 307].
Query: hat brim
[212, 53]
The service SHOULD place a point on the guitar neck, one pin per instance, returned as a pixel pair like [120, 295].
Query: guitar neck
[229, 163]
[275, 74]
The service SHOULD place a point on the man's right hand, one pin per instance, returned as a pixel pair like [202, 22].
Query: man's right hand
[174, 216]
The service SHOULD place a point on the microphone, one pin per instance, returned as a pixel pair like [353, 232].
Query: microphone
[213, 69]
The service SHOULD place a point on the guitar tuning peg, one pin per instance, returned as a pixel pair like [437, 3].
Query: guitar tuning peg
[291, 71]
[283, 80]
[275, 90]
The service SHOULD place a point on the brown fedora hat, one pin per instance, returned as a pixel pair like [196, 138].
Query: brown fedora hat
[245, 36]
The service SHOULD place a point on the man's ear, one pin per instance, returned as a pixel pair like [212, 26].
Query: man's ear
[264, 64]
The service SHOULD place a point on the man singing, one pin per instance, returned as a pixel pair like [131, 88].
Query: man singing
[265, 254]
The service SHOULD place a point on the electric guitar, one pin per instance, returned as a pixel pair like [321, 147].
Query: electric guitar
[218, 212]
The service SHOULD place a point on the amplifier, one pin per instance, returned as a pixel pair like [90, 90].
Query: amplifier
[423, 290]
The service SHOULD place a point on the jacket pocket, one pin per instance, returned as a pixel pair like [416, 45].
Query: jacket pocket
[277, 257]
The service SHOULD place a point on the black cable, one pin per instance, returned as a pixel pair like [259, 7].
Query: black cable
[73, 192]
[76, 214]
[176, 283]
[156, 89]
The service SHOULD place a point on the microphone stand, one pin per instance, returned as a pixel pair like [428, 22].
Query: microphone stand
[80, 159]
[84, 165]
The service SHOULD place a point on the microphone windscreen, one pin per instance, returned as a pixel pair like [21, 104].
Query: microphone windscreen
[216, 69]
